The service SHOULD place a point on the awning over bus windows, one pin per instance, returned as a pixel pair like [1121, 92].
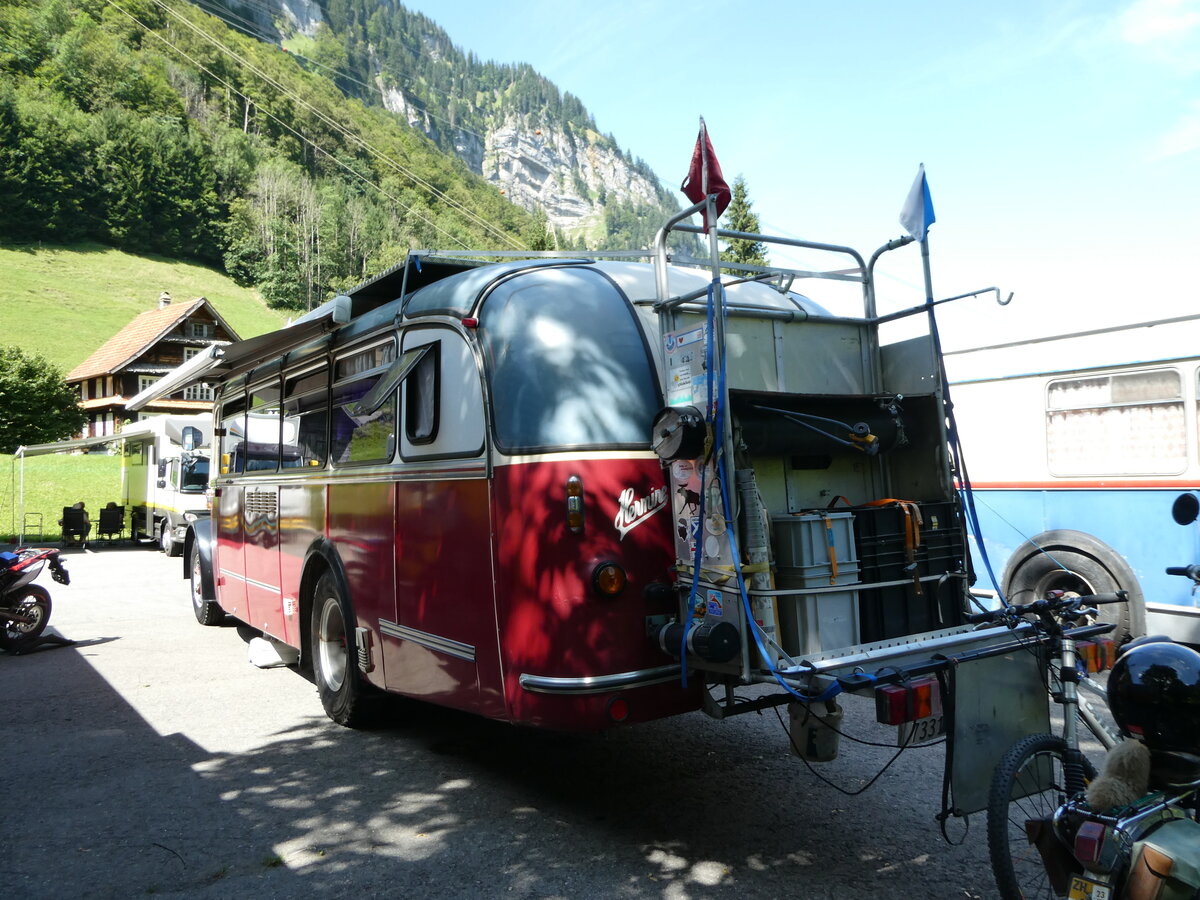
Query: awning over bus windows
[62, 446]
[221, 361]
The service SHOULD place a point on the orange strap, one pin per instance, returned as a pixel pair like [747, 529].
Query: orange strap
[829, 544]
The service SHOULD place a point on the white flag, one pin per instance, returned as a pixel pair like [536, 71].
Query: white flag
[917, 214]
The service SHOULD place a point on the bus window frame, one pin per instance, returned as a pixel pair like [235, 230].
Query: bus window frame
[275, 378]
[1050, 410]
[371, 342]
[235, 390]
[308, 367]
[489, 371]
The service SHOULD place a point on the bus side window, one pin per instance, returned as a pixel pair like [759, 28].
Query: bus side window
[262, 428]
[233, 422]
[421, 399]
[306, 419]
[443, 398]
[358, 437]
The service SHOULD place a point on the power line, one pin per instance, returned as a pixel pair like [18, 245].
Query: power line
[282, 124]
[469, 214]
[215, 9]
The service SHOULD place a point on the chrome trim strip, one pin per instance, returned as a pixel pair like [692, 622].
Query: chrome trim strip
[599, 684]
[237, 576]
[324, 478]
[434, 642]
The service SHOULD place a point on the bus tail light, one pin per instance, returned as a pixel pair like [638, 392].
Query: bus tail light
[609, 579]
[898, 703]
[575, 504]
[618, 709]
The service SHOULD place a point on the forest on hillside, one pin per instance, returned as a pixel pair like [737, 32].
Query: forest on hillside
[151, 126]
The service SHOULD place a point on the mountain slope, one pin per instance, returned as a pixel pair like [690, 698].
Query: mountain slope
[509, 124]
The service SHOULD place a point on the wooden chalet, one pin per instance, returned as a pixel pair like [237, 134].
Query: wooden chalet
[142, 352]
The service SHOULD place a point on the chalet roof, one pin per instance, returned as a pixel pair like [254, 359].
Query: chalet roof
[138, 336]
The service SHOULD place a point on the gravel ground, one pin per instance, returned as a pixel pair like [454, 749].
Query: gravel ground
[152, 758]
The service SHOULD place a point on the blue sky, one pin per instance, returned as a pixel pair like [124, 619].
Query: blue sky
[1061, 139]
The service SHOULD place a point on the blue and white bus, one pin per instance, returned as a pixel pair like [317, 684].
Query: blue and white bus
[1076, 446]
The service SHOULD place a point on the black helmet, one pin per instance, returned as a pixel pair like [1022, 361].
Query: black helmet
[1154, 694]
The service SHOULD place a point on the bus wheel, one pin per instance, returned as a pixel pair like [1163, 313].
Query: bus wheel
[208, 612]
[1064, 560]
[347, 698]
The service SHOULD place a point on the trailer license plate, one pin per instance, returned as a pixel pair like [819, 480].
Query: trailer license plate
[1086, 889]
[920, 731]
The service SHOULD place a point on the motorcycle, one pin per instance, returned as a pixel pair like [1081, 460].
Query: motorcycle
[25, 606]
[1135, 833]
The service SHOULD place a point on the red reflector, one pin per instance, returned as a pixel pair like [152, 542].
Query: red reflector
[1089, 841]
[919, 699]
[470, 322]
[618, 709]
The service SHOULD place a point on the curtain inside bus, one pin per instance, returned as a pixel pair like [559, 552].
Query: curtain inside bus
[567, 363]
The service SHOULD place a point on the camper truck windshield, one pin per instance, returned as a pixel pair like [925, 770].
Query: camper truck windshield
[195, 474]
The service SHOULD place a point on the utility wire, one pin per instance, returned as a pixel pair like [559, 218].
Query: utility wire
[253, 29]
[218, 79]
[347, 134]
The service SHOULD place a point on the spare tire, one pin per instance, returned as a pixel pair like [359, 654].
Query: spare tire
[1067, 560]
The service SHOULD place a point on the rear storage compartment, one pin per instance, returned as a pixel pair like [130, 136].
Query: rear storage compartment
[867, 574]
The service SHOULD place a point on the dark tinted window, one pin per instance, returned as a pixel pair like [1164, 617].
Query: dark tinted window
[567, 363]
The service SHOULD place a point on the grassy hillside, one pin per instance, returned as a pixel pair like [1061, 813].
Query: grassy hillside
[64, 302]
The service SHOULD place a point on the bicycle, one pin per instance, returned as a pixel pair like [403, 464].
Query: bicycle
[1043, 839]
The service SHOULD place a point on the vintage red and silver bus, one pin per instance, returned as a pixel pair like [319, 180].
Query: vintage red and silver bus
[577, 492]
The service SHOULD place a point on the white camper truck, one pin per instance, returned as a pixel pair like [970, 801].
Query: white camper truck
[164, 476]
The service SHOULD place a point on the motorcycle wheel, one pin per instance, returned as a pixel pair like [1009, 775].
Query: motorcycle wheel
[1029, 784]
[33, 600]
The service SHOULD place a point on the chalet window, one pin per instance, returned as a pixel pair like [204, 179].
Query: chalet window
[144, 381]
[200, 329]
[198, 392]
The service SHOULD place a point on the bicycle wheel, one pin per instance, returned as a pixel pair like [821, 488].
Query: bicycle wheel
[1028, 786]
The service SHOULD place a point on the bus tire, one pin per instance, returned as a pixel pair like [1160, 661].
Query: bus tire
[1067, 560]
[347, 697]
[208, 612]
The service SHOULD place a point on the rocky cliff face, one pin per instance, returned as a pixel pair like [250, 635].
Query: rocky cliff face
[569, 173]
[550, 167]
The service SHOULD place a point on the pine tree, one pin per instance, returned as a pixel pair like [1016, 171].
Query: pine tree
[741, 217]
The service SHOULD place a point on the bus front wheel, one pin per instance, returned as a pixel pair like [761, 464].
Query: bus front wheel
[1065, 560]
[348, 699]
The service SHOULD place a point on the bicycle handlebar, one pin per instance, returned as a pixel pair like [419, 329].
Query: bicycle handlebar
[1192, 572]
[1058, 604]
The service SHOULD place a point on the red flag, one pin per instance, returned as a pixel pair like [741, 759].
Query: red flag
[704, 176]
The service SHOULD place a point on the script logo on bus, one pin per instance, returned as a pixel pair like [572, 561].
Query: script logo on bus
[632, 512]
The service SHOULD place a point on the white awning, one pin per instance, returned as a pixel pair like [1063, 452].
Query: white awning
[177, 379]
[63, 446]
